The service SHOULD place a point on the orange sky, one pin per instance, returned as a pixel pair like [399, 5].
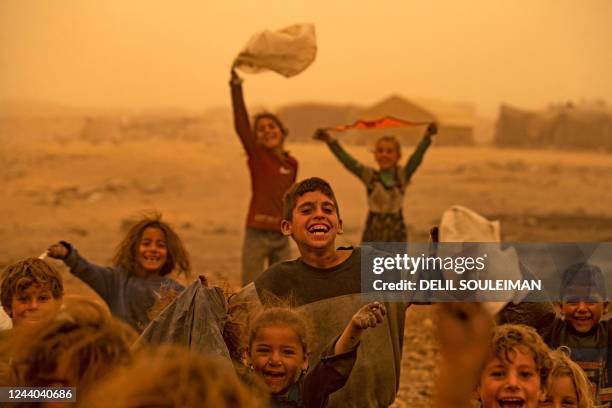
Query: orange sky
[153, 53]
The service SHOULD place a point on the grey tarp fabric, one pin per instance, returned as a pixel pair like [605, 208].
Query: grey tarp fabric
[288, 51]
[194, 319]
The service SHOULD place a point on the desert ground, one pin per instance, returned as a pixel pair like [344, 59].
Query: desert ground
[66, 188]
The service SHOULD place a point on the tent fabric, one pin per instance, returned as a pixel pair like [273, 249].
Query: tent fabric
[195, 319]
[288, 51]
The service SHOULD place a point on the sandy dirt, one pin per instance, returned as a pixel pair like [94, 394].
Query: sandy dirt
[82, 192]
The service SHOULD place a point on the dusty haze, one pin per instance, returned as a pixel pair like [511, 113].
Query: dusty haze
[151, 53]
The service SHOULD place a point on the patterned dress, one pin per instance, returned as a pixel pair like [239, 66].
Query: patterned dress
[385, 189]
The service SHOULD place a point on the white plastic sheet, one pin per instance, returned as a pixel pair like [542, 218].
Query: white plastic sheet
[288, 51]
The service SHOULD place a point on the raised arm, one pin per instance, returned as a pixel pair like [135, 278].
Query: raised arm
[370, 315]
[346, 159]
[101, 279]
[242, 124]
[416, 158]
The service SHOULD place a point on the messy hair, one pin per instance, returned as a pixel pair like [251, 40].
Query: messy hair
[24, 274]
[173, 376]
[390, 139]
[562, 365]
[279, 317]
[272, 117]
[507, 338]
[78, 347]
[127, 250]
[306, 186]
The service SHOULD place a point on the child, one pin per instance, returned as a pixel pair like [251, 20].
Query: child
[278, 353]
[325, 283]
[150, 251]
[174, 377]
[568, 386]
[77, 347]
[273, 170]
[386, 186]
[31, 291]
[583, 303]
[511, 371]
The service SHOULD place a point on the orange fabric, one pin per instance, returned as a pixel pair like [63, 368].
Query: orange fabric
[382, 123]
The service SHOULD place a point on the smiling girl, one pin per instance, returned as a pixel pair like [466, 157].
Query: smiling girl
[278, 354]
[273, 170]
[149, 252]
[386, 185]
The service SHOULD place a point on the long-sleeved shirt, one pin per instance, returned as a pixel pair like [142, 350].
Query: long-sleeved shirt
[128, 296]
[271, 174]
[385, 187]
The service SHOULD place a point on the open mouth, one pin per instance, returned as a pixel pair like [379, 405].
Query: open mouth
[152, 258]
[511, 402]
[273, 376]
[318, 229]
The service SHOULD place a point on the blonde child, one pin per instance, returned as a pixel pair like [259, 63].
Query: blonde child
[77, 347]
[31, 290]
[568, 386]
[273, 170]
[149, 252]
[385, 186]
[278, 353]
[511, 369]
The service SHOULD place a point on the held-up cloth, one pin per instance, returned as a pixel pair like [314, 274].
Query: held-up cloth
[382, 123]
[288, 51]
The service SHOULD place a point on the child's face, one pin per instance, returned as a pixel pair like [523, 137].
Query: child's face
[315, 221]
[152, 251]
[278, 357]
[582, 308]
[33, 305]
[561, 393]
[268, 133]
[515, 383]
[386, 154]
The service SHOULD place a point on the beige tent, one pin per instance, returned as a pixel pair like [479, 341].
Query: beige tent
[568, 126]
[455, 122]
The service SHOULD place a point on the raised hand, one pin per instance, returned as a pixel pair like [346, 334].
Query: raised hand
[370, 315]
[322, 135]
[57, 251]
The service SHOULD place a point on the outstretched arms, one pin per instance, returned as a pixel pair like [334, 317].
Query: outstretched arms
[416, 158]
[346, 159]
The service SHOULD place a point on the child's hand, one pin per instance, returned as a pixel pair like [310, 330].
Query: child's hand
[432, 129]
[235, 79]
[57, 251]
[464, 332]
[322, 135]
[371, 315]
